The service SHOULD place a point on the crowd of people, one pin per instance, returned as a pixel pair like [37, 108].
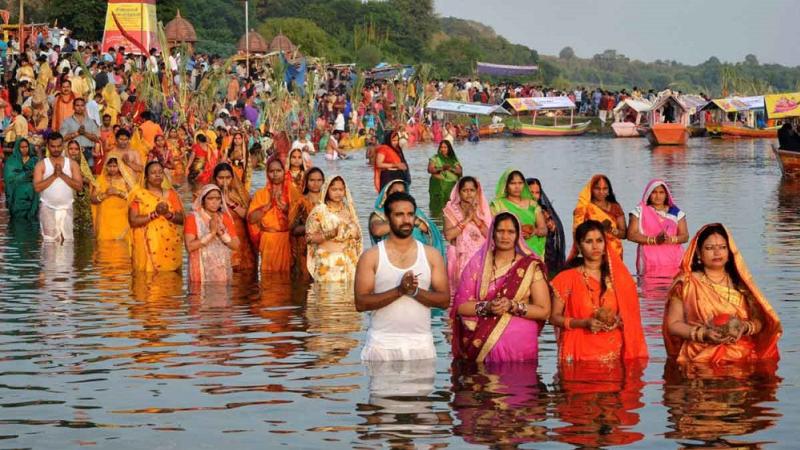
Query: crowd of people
[98, 164]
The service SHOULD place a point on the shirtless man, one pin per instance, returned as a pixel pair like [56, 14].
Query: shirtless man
[131, 157]
[399, 280]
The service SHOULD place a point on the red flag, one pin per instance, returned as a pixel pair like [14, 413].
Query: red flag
[128, 36]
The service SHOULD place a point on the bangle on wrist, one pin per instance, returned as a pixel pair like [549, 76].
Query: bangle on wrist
[416, 291]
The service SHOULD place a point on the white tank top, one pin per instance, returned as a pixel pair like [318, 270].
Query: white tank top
[400, 330]
[58, 195]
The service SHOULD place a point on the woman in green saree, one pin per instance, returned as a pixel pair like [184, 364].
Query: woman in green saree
[512, 194]
[21, 199]
[445, 171]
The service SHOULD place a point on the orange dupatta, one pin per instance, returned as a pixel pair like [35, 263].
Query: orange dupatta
[586, 210]
[158, 245]
[702, 303]
[273, 245]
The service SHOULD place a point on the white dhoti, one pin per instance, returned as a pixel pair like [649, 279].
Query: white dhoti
[56, 224]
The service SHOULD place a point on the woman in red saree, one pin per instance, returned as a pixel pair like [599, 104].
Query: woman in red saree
[268, 217]
[716, 313]
[502, 300]
[598, 202]
[595, 304]
[237, 200]
[390, 162]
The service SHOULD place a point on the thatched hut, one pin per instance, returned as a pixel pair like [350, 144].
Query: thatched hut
[180, 31]
[257, 43]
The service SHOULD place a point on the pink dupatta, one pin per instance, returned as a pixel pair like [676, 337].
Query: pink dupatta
[661, 261]
[470, 240]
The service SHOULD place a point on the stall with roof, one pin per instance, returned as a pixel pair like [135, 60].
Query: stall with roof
[474, 110]
[785, 106]
[738, 117]
[630, 117]
[550, 106]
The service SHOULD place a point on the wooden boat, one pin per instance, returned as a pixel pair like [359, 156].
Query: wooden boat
[668, 134]
[576, 129]
[630, 117]
[625, 129]
[734, 130]
[492, 130]
[788, 161]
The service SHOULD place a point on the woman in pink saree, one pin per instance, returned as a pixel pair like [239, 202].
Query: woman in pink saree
[503, 299]
[659, 227]
[466, 225]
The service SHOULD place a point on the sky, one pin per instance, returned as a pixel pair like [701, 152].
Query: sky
[688, 31]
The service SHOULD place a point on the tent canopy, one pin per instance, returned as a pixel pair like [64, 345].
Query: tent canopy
[639, 106]
[466, 108]
[783, 105]
[539, 103]
[738, 104]
[505, 69]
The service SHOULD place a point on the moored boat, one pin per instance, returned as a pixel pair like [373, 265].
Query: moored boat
[630, 118]
[668, 134]
[788, 161]
[625, 129]
[492, 130]
[734, 130]
[670, 118]
[576, 129]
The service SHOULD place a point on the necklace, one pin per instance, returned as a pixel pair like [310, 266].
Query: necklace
[726, 285]
[493, 283]
[597, 305]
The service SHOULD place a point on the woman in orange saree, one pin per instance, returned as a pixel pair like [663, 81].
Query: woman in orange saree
[268, 218]
[237, 200]
[390, 163]
[239, 160]
[177, 149]
[296, 168]
[155, 213]
[312, 195]
[210, 238]
[598, 202]
[716, 313]
[595, 304]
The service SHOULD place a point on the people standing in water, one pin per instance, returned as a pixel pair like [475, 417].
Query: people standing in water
[445, 170]
[210, 238]
[296, 168]
[597, 202]
[333, 235]
[659, 227]
[399, 281]
[502, 299]
[715, 312]
[56, 178]
[424, 231]
[237, 202]
[110, 197]
[313, 181]
[512, 195]
[268, 217]
[130, 156]
[22, 199]
[467, 219]
[390, 163]
[596, 306]
[155, 213]
[82, 206]
[556, 245]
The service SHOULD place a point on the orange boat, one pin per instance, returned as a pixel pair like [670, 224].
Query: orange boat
[732, 130]
[492, 130]
[668, 134]
[788, 161]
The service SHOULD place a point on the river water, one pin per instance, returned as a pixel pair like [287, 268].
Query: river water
[90, 355]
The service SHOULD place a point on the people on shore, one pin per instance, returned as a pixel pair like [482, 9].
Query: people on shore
[398, 281]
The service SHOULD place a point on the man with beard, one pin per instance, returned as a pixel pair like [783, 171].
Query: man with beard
[55, 178]
[399, 280]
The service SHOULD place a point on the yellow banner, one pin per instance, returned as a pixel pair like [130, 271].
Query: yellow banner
[783, 105]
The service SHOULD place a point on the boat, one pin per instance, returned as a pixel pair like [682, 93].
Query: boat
[735, 130]
[670, 118]
[668, 134]
[575, 129]
[474, 110]
[738, 117]
[788, 161]
[538, 105]
[630, 118]
[494, 129]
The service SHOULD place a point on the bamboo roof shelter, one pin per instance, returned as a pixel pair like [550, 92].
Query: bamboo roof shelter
[257, 43]
[180, 31]
[281, 43]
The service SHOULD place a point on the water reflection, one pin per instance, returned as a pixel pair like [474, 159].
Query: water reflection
[401, 402]
[599, 402]
[332, 320]
[711, 404]
[499, 404]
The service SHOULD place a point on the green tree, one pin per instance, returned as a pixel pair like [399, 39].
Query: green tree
[368, 56]
[86, 18]
[311, 39]
[566, 53]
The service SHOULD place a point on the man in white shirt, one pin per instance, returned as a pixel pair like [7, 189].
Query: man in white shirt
[399, 280]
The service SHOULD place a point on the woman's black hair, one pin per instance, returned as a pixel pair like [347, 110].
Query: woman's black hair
[580, 234]
[148, 165]
[223, 166]
[388, 139]
[611, 197]
[308, 174]
[730, 266]
[512, 174]
[466, 179]
[504, 216]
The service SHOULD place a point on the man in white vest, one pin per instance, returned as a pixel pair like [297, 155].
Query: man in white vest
[399, 281]
[56, 178]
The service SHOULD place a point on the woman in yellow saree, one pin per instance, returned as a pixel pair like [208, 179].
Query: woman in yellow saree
[155, 214]
[333, 235]
[598, 202]
[715, 312]
[268, 219]
[109, 197]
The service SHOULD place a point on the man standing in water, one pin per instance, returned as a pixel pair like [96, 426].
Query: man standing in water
[130, 156]
[55, 178]
[400, 279]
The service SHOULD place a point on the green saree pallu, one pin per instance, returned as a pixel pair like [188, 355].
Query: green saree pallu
[526, 216]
